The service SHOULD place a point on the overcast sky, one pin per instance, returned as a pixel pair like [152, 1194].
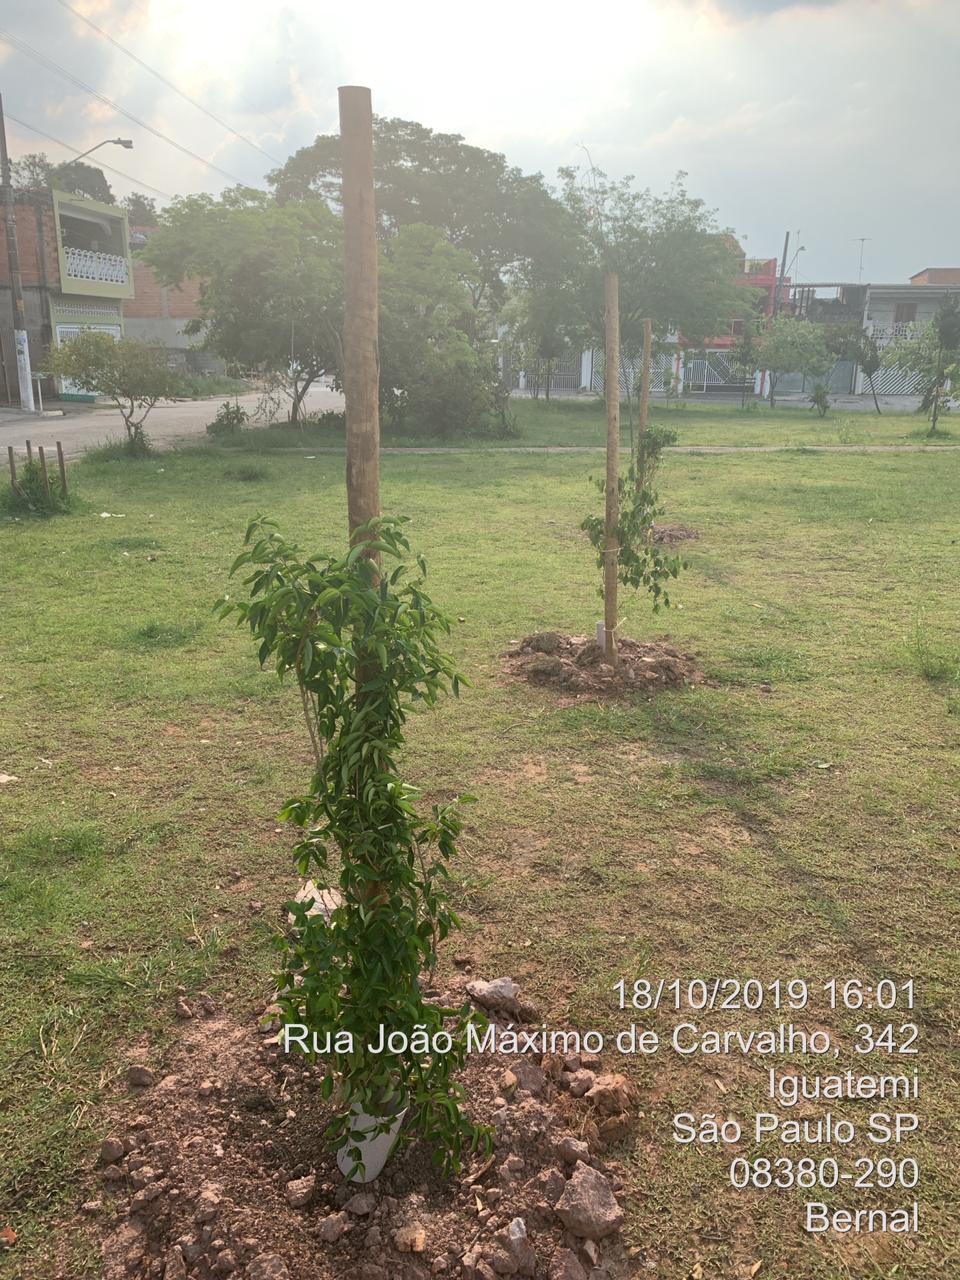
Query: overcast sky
[834, 118]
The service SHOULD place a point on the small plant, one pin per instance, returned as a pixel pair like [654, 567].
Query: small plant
[847, 432]
[934, 661]
[650, 447]
[364, 649]
[32, 497]
[230, 418]
[640, 561]
[820, 399]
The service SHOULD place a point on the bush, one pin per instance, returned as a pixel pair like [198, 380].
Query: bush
[820, 399]
[230, 418]
[30, 498]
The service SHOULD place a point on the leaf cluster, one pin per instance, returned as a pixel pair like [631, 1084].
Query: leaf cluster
[641, 563]
[364, 646]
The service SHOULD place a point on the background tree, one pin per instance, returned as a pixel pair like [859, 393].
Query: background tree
[37, 170]
[488, 208]
[675, 264]
[431, 374]
[271, 296]
[141, 210]
[932, 356]
[746, 356]
[793, 346]
[130, 373]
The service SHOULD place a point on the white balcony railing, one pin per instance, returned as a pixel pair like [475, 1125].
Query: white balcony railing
[89, 264]
[884, 333]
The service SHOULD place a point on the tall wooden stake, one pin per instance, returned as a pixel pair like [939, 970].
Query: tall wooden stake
[644, 397]
[611, 386]
[361, 356]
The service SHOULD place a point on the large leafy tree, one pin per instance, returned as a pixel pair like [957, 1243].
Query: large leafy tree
[37, 170]
[793, 346]
[431, 374]
[676, 266]
[141, 210]
[271, 296]
[484, 206]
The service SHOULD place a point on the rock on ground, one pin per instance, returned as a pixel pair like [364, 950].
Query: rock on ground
[588, 1206]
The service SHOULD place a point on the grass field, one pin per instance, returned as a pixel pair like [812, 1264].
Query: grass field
[579, 421]
[795, 816]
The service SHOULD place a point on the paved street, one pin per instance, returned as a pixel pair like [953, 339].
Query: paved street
[182, 420]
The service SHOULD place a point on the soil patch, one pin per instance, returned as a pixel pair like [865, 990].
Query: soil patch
[576, 665]
[219, 1168]
[668, 535]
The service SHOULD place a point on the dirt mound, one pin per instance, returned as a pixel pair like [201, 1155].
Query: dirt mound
[223, 1170]
[668, 535]
[576, 664]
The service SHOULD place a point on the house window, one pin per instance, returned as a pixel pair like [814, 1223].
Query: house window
[905, 313]
[736, 327]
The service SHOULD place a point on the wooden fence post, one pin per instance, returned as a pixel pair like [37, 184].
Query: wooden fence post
[611, 380]
[361, 355]
[63, 469]
[43, 473]
[11, 459]
[29, 453]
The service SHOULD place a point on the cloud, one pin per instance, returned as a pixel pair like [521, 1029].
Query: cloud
[831, 116]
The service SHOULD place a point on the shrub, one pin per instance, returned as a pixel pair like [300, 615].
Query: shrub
[31, 498]
[820, 399]
[230, 418]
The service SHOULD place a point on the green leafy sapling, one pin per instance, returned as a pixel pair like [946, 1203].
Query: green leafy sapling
[364, 646]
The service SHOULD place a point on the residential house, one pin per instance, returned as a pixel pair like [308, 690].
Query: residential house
[76, 271]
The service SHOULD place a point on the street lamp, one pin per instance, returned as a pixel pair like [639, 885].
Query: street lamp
[116, 142]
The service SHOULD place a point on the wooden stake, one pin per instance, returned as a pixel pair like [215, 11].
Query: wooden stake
[361, 356]
[43, 473]
[29, 453]
[611, 385]
[63, 469]
[644, 396]
[13, 469]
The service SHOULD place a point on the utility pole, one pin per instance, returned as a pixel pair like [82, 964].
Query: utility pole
[361, 354]
[21, 343]
[611, 386]
[778, 293]
[862, 241]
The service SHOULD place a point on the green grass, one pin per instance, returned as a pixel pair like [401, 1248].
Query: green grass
[579, 421]
[794, 815]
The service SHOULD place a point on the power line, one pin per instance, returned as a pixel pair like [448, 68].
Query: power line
[76, 150]
[44, 61]
[169, 83]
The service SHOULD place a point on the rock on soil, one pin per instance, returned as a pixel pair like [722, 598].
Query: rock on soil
[588, 1207]
[575, 664]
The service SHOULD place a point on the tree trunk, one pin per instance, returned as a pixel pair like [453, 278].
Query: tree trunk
[644, 397]
[873, 391]
[361, 357]
[611, 549]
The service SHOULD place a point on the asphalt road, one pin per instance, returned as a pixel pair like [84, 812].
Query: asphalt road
[174, 423]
